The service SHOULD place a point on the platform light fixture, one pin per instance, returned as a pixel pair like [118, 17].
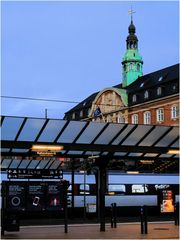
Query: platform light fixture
[173, 151]
[54, 148]
[132, 172]
[46, 150]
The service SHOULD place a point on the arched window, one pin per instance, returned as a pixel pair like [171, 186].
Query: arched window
[160, 115]
[147, 118]
[124, 67]
[159, 91]
[130, 66]
[138, 67]
[174, 112]
[134, 119]
[134, 98]
[146, 94]
[120, 119]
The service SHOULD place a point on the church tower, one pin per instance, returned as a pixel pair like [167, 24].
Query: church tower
[132, 60]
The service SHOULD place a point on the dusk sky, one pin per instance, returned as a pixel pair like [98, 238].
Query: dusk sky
[69, 50]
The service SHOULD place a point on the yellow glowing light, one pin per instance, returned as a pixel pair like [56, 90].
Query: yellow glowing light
[46, 148]
[132, 172]
[173, 151]
[111, 193]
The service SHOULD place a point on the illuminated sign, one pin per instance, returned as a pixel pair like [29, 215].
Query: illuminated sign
[167, 201]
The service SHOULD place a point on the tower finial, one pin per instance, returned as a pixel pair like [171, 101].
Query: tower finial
[131, 12]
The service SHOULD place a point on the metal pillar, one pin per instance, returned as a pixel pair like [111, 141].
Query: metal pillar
[102, 186]
[72, 184]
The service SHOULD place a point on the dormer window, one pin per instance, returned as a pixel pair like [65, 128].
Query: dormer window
[146, 94]
[134, 98]
[142, 84]
[73, 116]
[174, 87]
[160, 79]
[159, 91]
[81, 113]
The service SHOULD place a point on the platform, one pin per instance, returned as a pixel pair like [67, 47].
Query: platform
[156, 230]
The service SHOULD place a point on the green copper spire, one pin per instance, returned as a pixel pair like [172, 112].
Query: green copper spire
[132, 60]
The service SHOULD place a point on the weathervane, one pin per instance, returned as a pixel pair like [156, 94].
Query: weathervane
[131, 12]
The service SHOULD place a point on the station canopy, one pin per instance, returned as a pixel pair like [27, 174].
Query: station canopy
[84, 139]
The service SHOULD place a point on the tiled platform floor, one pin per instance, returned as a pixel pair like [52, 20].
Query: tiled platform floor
[156, 230]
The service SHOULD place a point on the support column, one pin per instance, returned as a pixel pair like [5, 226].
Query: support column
[102, 188]
[72, 184]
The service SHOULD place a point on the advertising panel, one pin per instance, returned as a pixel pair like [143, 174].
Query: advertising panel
[16, 196]
[54, 196]
[167, 201]
[36, 196]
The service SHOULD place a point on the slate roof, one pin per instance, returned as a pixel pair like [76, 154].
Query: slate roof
[148, 81]
[155, 78]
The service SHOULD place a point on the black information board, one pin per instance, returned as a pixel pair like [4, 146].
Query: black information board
[35, 174]
[33, 195]
[16, 195]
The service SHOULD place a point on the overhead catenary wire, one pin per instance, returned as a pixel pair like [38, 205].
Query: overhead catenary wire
[62, 101]
[39, 99]
[53, 100]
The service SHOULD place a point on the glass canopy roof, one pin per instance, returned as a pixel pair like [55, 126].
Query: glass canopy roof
[83, 139]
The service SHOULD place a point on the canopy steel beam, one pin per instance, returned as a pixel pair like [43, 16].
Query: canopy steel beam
[90, 147]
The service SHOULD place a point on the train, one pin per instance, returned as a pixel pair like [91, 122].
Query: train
[129, 191]
[124, 189]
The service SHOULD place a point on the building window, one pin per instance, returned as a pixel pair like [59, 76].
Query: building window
[160, 114]
[81, 113]
[73, 116]
[146, 94]
[174, 112]
[142, 84]
[138, 67]
[159, 91]
[109, 118]
[130, 66]
[174, 87]
[135, 119]
[134, 98]
[121, 119]
[160, 78]
[147, 118]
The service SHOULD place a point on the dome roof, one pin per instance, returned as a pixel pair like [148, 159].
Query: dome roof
[132, 28]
